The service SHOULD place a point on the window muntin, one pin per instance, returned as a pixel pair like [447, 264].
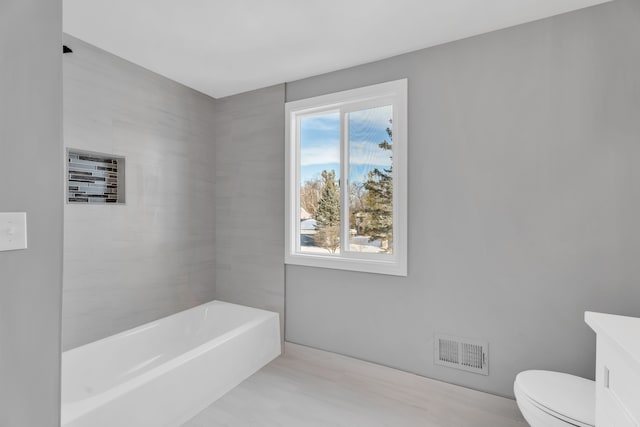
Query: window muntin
[346, 180]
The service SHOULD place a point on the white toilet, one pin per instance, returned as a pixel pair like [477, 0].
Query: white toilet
[553, 399]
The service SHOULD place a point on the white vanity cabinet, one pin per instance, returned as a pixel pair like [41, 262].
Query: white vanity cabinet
[617, 369]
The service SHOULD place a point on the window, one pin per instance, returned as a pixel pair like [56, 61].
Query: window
[346, 180]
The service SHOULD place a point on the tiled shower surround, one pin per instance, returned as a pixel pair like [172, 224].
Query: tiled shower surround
[129, 264]
[93, 178]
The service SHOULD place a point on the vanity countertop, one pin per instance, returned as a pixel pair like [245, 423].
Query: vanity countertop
[624, 331]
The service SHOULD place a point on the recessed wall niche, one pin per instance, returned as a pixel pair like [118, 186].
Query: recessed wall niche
[94, 178]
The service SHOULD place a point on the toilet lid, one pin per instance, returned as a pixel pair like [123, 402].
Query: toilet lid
[566, 395]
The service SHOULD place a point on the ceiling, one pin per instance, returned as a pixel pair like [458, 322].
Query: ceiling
[224, 47]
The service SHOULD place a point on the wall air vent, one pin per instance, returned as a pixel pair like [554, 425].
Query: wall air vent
[462, 353]
[94, 178]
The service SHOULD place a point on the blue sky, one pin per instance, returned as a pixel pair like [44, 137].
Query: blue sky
[320, 143]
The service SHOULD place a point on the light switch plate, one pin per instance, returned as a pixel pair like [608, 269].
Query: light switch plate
[13, 231]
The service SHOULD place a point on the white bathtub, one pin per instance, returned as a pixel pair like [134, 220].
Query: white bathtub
[163, 373]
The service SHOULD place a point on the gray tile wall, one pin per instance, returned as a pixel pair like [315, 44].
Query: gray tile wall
[125, 265]
[250, 199]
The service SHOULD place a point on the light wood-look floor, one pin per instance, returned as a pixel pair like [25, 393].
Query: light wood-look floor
[313, 388]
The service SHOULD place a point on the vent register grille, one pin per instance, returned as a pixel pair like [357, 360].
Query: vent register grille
[462, 353]
[94, 178]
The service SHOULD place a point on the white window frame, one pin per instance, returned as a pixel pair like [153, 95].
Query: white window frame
[391, 93]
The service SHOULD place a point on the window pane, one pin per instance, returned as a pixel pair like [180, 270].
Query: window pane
[320, 183]
[371, 180]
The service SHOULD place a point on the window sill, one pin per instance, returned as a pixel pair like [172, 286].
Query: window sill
[391, 267]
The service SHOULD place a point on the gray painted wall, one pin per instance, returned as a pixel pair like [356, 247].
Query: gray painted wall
[250, 199]
[523, 202]
[30, 151]
[127, 265]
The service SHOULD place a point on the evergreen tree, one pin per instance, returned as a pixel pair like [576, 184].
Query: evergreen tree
[327, 214]
[379, 186]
